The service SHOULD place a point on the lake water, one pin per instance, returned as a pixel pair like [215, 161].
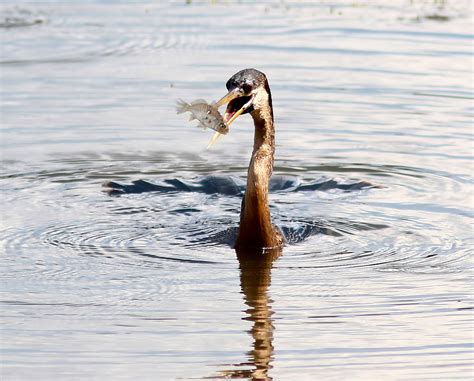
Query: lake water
[373, 103]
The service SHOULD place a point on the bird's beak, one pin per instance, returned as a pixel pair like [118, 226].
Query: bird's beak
[229, 117]
[231, 95]
[231, 114]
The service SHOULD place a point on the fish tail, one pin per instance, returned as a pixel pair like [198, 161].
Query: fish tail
[181, 106]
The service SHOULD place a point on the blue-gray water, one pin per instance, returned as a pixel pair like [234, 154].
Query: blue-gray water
[141, 286]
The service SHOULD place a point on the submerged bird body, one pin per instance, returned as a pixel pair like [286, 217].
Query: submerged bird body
[207, 114]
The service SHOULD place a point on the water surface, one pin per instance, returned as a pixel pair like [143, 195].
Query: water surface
[373, 106]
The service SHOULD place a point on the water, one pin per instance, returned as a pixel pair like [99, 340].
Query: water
[376, 280]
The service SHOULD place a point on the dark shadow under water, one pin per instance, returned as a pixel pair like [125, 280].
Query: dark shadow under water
[234, 186]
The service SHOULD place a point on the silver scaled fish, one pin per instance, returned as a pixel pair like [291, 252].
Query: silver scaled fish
[207, 114]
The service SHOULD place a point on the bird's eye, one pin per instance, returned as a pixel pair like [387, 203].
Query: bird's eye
[247, 88]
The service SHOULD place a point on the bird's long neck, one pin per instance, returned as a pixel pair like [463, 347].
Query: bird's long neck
[256, 228]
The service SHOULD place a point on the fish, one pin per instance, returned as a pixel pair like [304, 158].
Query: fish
[207, 114]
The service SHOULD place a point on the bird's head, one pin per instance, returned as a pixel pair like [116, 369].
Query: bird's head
[248, 93]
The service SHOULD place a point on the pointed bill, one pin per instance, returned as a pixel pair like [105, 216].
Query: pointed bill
[229, 118]
[213, 140]
[231, 95]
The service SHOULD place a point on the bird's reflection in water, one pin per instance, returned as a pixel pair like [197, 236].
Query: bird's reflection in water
[255, 277]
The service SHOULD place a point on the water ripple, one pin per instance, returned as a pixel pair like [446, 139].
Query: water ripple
[374, 195]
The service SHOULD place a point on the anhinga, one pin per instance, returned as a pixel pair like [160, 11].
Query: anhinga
[249, 93]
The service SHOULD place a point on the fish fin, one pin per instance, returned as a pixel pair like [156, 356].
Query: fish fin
[198, 101]
[213, 140]
[181, 106]
[191, 117]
